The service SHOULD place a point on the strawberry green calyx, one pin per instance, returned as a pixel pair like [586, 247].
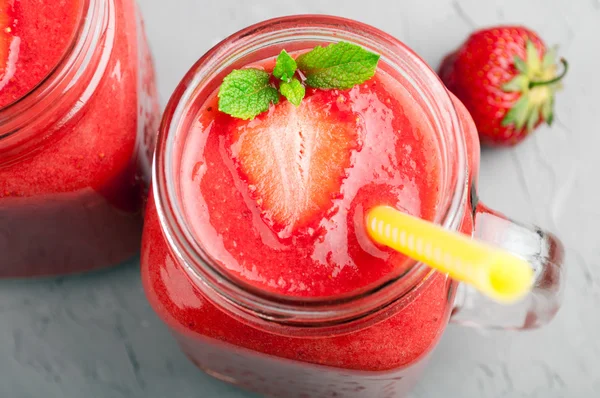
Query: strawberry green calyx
[537, 81]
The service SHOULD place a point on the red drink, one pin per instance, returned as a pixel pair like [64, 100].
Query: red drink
[300, 232]
[391, 159]
[261, 264]
[34, 37]
[77, 111]
[254, 250]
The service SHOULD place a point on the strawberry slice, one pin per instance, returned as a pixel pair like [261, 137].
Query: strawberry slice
[6, 37]
[295, 158]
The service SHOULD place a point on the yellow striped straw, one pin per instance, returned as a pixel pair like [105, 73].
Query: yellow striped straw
[496, 273]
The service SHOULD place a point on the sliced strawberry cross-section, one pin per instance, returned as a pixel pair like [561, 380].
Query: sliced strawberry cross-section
[296, 158]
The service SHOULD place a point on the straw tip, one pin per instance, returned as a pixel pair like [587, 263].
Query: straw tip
[510, 279]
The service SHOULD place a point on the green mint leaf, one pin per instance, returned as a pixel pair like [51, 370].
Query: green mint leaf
[341, 65]
[285, 67]
[294, 91]
[246, 93]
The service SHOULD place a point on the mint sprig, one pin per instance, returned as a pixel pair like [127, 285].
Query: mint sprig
[246, 93]
[294, 91]
[341, 65]
[285, 67]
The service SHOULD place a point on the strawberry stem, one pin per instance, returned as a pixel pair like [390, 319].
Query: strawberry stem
[554, 80]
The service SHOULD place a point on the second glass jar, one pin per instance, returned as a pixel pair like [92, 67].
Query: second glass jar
[75, 151]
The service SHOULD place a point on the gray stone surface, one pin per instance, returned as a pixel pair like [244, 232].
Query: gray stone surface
[95, 335]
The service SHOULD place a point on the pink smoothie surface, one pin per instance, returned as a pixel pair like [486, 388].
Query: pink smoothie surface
[279, 202]
[34, 36]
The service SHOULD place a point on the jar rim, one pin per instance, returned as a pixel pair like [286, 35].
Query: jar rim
[247, 302]
[93, 29]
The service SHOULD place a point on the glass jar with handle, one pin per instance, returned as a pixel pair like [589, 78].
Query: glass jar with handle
[370, 342]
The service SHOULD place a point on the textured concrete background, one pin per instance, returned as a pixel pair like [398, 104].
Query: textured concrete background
[95, 336]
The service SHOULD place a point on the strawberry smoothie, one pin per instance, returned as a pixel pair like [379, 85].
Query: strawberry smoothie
[278, 203]
[255, 252]
[33, 38]
[280, 200]
[77, 102]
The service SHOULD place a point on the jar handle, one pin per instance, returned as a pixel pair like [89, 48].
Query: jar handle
[541, 249]
[545, 254]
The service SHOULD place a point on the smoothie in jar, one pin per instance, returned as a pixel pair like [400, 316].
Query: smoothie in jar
[77, 104]
[278, 203]
[255, 251]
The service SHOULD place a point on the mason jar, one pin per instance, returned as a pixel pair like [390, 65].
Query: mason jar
[75, 150]
[373, 342]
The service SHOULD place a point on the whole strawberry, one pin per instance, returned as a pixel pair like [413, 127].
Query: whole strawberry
[507, 80]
